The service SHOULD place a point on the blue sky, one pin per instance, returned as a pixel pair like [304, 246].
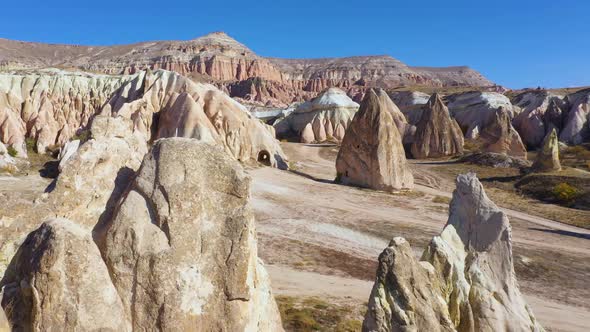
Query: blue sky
[516, 43]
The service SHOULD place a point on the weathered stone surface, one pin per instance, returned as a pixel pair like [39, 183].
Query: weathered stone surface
[326, 117]
[577, 123]
[66, 152]
[166, 104]
[554, 117]
[548, 156]
[500, 137]
[181, 245]
[474, 110]
[437, 134]
[372, 154]
[530, 122]
[410, 103]
[7, 162]
[471, 270]
[58, 282]
[406, 295]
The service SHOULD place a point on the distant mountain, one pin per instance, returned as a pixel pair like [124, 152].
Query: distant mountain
[235, 68]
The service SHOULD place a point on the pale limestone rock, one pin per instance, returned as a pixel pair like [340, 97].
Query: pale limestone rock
[406, 295]
[58, 282]
[166, 104]
[577, 123]
[66, 152]
[372, 154]
[500, 137]
[319, 119]
[181, 245]
[437, 134]
[530, 122]
[548, 156]
[7, 162]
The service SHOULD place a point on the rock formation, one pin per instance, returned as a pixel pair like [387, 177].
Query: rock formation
[66, 152]
[178, 264]
[548, 156]
[371, 154]
[530, 122]
[554, 117]
[577, 123]
[7, 162]
[470, 269]
[500, 137]
[410, 103]
[50, 106]
[58, 282]
[326, 117]
[236, 69]
[474, 110]
[437, 134]
[166, 104]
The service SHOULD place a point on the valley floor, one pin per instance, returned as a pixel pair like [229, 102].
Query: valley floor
[322, 239]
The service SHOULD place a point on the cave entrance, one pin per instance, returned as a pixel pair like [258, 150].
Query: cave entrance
[264, 157]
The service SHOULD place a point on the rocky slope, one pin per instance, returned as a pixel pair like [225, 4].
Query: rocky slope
[220, 58]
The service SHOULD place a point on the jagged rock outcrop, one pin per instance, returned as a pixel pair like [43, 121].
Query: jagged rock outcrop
[57, 281]
[548, 156]
[500, 137]
[474, 110]
[50, 106]
[577, 123]
[471, 264]
[530, 122]
[66, 152]
[326, 117]
[371, 154]
[410, 103]
[183, 264]
[406, 295]
[554, 117]
[166, 104]
[437, 134]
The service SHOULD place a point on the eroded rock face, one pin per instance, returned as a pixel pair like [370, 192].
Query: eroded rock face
[57, 281]
[50, 106]
[410, 103]
[437, 134]
[531, 121]
[472, 267]
[7, 162]
[372, 154]
[577, 123]
[548, 156]
[166, 104]
[500, 137]
[326, 117]
[188, 264]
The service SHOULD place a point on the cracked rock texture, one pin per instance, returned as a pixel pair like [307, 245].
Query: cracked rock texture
[181, 263]
[471, 271]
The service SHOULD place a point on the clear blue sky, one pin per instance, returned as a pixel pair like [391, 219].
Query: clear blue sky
[516, 43]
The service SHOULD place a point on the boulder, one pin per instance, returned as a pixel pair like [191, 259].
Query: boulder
[530, 122]
[548, 156]
[577, 123]
[500, 137]
[474, 110]
[406, 295]
[437, 134]
[166, 104]
[324, 118]
[58, 282]
[66, 152]
[470, 268]
[372, 154]
[181, 245]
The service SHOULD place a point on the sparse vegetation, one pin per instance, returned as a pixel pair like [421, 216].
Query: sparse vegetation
[12, 151]
[314, 314]
[83, 136]
[441, 200]
[31, 146]
[565, 193]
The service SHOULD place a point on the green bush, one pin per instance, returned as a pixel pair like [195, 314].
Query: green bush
[31, 146]
[12, 151]
[565, 192]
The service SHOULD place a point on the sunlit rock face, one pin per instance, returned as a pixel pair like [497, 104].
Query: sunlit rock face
[499, 136]
[531, 122]
[465, 280]
[577, 122]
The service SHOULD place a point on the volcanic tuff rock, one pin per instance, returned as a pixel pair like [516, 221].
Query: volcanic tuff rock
[166, 104]
[437, 134]
[548, 156]
[371, 154]
[577, 123]
[326, 117]
[471, 269]
[7, 162]
[186, 264]
[530, 122]
[475, 110]
[220, 58]
[50, 106]
[58, 282]
[500, 137]
[410, 103]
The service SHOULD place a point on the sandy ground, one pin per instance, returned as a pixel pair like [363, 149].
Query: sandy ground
[322, 239]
